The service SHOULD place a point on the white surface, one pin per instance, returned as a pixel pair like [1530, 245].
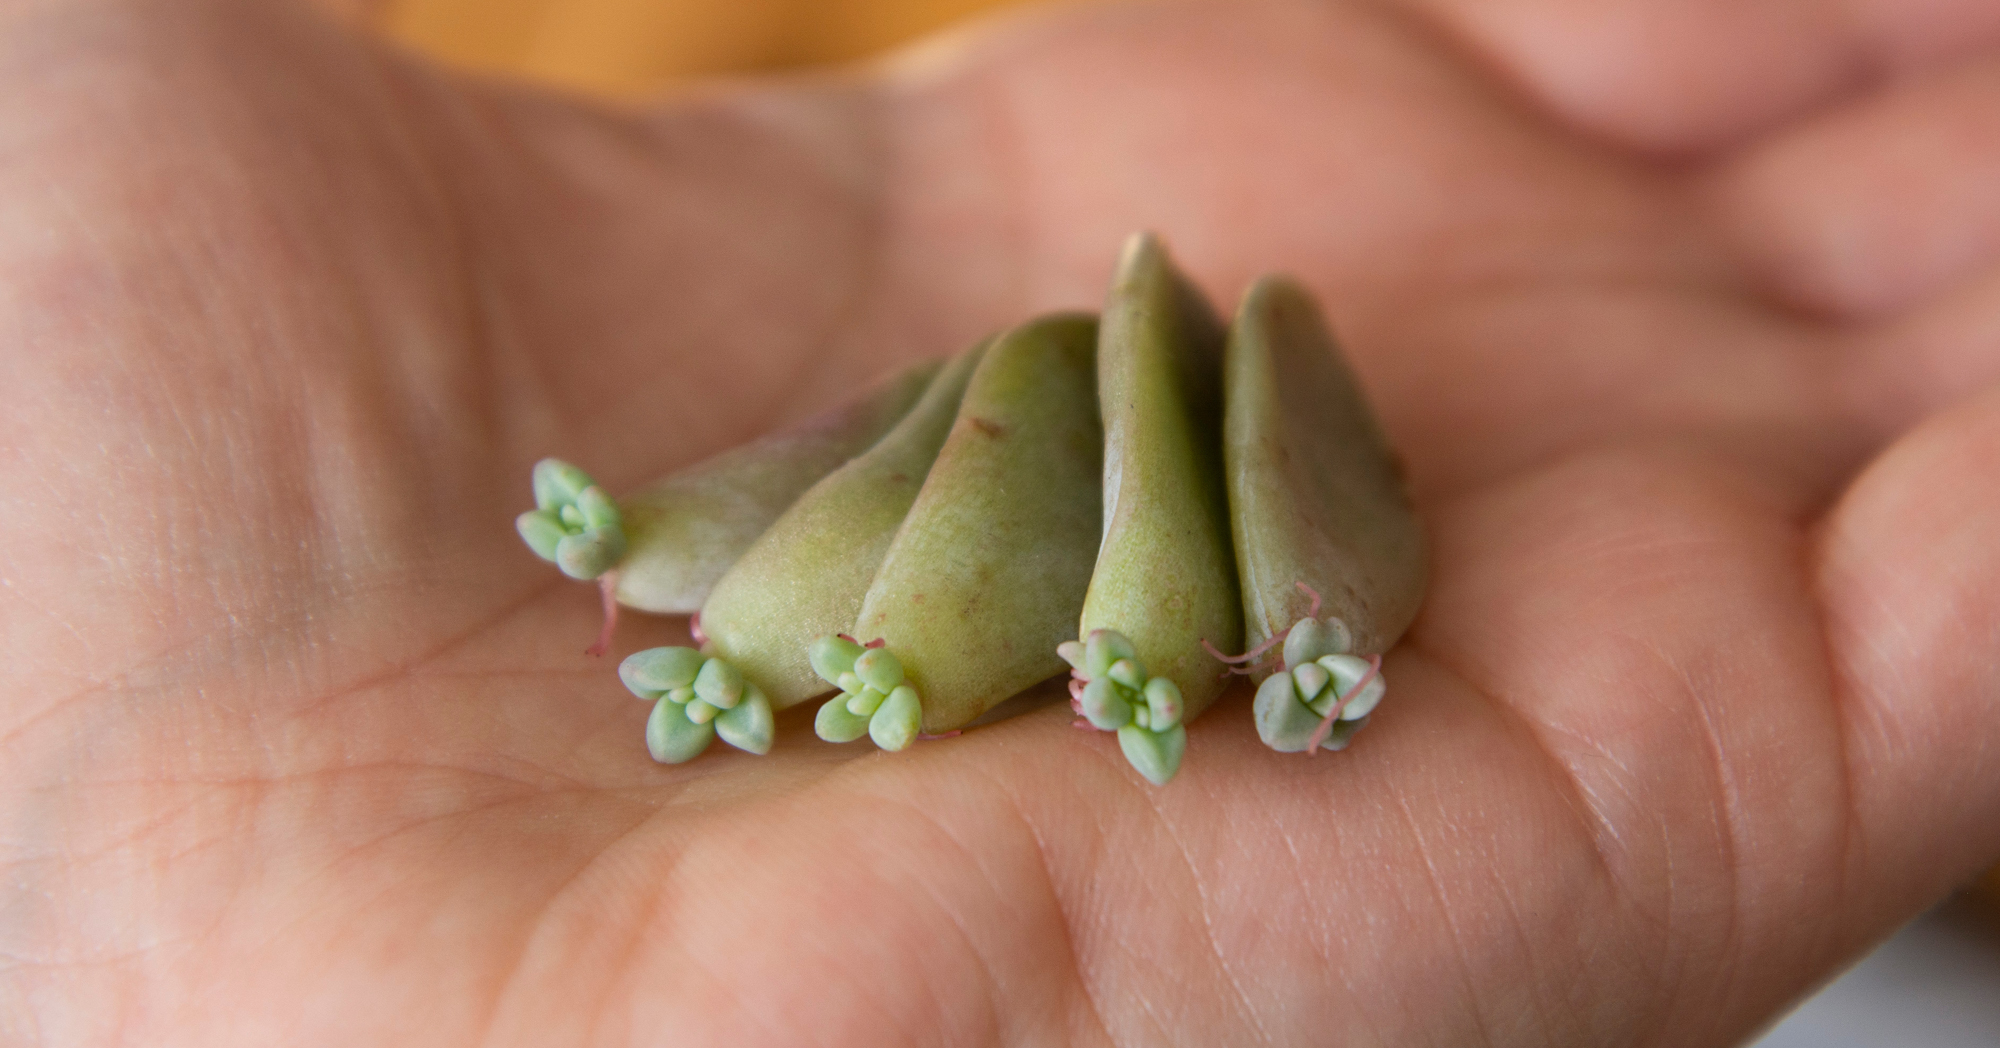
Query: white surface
[1935, 985]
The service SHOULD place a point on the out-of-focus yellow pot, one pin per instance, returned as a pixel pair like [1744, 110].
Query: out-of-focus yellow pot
[628, 46]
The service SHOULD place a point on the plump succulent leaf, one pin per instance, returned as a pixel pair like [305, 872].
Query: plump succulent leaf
[987, 574]
[1156, 754]
[749, 725]
[1165, 576]
[656, 671]
[803, 579]
[686, 529]
[672, 737]
[1315, 493]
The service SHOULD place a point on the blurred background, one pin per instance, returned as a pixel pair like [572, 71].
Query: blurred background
[625, 47]
[1936, 985]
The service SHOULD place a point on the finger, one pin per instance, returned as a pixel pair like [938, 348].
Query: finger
[1912, 365]
[1909, 575]
[1873, 205]
[1688, 76]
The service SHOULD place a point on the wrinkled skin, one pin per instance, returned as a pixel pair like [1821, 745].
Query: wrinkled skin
[1682, 315]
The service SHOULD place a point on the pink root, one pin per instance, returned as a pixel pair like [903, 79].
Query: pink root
[1248, 656]
[876, 643]
[1076, 695]
[1276, 639]
[694, 630]
[1326, 725]
[1314, 594]
[941, 735]
[607, 585]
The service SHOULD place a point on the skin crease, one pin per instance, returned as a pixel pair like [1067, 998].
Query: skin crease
[297, 746]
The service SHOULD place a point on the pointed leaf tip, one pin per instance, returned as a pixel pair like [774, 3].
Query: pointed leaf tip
[749, 726]
[1156, 754]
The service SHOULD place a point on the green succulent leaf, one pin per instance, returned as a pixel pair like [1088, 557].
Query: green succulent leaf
[879, 670]
[1310, 680]
[802, 580]
[832, 658]
[687, 529]
[1311, 639]
[1106, 705]
[557, 484]
[541, 529]
[1156, 754]
[671, 737]
[898, 720]
[836, 723]
[748, 726]
[586, 555]
[987, 574]
[1163, 703]
[719, 684]
[655, 671]
[1316, 495]
[1283, 722]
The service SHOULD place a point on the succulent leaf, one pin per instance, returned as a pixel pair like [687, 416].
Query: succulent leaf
[1156, 754]
[898, 719]
[749, 726]
[672, 737]
[655, 671]
[804, 578]
[987, 574]
[836, 723]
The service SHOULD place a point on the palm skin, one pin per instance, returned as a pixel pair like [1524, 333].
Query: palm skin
[1683, 343]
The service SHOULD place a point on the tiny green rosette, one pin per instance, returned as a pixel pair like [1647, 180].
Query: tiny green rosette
[1117, 694]
[696, 698]
[574, 523]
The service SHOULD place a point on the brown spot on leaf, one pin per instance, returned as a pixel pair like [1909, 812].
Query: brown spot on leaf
[989, 427]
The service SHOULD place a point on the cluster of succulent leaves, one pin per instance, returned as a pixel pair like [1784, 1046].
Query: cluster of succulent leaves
[1292, 704]
[874, 700]
[696, 698]
[1114, 693]
[1149, 481]
[574, 524]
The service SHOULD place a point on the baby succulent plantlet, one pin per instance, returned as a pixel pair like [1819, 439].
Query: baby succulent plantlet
[988, 572]
[1322, 696]
[874, 700]
[1165, 578]
[695, 699]
[805, 577]
[574, 524]
[1113, 692]
[1317, 508]
[662, 548]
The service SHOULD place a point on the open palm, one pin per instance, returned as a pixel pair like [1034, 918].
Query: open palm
[1679, 313]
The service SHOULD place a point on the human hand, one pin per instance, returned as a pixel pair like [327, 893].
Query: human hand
[1683, 326]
